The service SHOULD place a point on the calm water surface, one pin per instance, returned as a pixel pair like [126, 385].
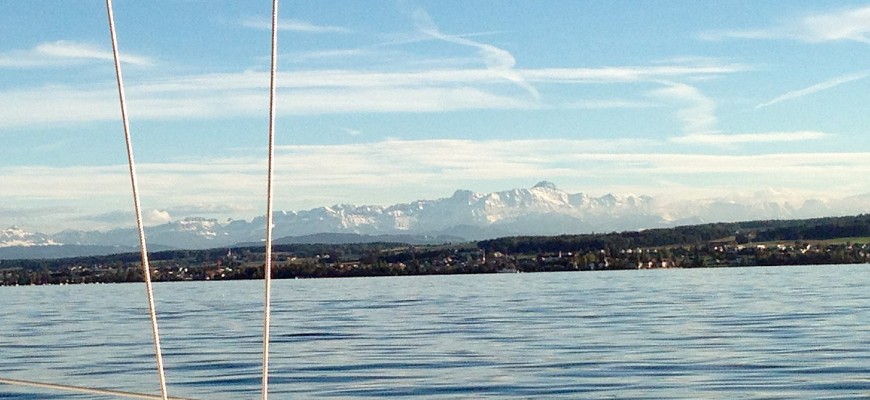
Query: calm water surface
[785, 332]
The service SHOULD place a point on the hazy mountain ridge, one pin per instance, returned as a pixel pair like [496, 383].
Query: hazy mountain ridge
[17, 237]
[541, 210]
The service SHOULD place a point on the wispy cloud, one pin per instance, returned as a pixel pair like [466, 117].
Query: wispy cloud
[292, 25]
[98, 105]
[815, 88]
[328, 54]
[319, 92]
[37, 212]
[844, 25]
[631, 73]
[209, 209]
[73, 50]
[351, 131]
[49, 105]
[496, 59]
[698, 116]
[606, 104]
[698, 112]
[65, 53]
[125, 218]
[743, 138]
[851, 24]
[743, 34]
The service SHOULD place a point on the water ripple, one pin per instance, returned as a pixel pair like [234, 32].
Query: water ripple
[766, 333]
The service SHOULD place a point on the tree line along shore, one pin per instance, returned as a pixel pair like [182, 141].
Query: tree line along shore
[835, 240]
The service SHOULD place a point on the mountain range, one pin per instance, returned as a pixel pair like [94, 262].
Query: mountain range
[543, 209]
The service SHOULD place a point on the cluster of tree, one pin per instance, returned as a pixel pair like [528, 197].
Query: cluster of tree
[614, 240]
[815, 229]
[742, 232]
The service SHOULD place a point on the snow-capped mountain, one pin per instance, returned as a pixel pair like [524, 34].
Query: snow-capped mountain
[543, 209]
[17, 237]
[532, 208]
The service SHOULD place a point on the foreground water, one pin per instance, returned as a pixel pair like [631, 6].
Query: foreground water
[785, 332]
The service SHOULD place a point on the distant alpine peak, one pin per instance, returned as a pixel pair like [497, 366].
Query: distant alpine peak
[16, 236]
[545, 185]
[463, 194]
[543, 209]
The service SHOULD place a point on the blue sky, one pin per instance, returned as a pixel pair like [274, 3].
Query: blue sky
[383, 102]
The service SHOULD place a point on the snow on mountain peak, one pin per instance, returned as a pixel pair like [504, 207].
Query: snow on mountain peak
[543, 209]
[15, 236]
[13, 230]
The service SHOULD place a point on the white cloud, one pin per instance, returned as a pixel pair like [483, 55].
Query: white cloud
[127, 218]
[743, 138]
[65, 53]
[851, 24]
[493, 57]
[325, 54]
[742, 34]
[398, 100]
[496, 59]
[815, 88]
[309, 92]
[629, 73]
[210, 209]
[698, 115]
[73, 50]
[698, 112]
[606, 104]
[845, 25]
[351, 131]
[156, 217]
[292, 25]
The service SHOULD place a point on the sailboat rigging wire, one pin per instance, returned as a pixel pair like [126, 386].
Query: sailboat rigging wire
[267, 268]
[146, 268]
[87, 390]
[267, 273]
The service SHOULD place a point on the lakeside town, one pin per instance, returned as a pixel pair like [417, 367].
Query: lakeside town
[384, 259]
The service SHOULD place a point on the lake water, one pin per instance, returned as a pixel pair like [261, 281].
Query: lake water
[783, 332]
